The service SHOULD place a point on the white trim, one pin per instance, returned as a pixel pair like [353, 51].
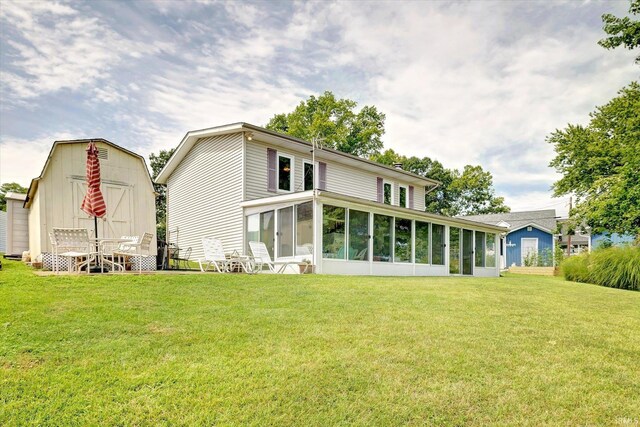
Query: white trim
[534, 225]
[406, 195]
[522, 256]
[291, 172]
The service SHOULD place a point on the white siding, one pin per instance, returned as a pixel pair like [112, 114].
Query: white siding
[341, 178]
[204, 192]
[17, 227]
[3, 231]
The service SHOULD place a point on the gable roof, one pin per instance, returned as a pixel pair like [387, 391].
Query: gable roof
[33, 187]
[276, 138]
[544, 220]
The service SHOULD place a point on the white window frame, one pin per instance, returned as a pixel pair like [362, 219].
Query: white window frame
[406, 192]
[291, 174]
[315, 175]
[384, 182]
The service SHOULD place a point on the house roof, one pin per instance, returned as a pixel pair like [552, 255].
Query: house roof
[33, 187]
[15, 196]
[576, 238]
[277, 138]
[544, 220]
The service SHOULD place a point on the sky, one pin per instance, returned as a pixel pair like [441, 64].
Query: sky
[475, 82]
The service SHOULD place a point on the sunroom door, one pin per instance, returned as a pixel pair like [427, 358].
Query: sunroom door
[285, 232]
[467, 252]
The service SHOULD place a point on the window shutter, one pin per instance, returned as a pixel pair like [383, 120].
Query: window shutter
[322, 176]
[411, 197]
[272, 173]
[380, 190]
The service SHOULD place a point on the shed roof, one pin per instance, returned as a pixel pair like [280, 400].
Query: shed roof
[33, 187]
[543, 219]
[267, 135]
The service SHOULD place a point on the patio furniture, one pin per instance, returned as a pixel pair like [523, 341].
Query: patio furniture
[108, 247]
[135, 249]
[213, 255]
[73, 243]
[262, 258]
[182, 257]
[54, 248]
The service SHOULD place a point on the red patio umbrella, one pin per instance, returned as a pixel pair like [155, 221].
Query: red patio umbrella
[93, 202]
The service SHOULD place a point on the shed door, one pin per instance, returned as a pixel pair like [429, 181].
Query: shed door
[529, 247]
[118, 220]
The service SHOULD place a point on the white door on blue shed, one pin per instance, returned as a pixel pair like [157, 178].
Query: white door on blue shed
[528, 246]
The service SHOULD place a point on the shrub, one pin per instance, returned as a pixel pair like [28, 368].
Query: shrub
[615, 267]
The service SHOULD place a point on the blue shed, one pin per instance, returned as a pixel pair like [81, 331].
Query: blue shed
[615, 239]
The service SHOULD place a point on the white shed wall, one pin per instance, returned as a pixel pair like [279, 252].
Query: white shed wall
[17, 227]
[3, 231]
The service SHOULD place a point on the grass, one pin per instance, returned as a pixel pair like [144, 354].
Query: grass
[315, 350]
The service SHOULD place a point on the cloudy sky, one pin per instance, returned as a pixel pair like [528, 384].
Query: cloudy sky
[464, 83]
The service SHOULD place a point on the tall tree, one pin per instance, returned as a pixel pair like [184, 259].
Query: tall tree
[599, 164]
[157, 163]
[622, 31]
[337, 122]
[469, 192]
[9, 187]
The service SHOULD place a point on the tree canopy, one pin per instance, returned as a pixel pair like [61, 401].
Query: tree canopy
[9, 187]
[622, 31]
[336, 122]
[157, 163]
[466, 192]
[600, 165]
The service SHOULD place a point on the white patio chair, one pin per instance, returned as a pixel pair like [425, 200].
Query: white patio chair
[74, 243]
[262, 258]
[54, 248]
[110, 249]
[213, 255]
[135, 249]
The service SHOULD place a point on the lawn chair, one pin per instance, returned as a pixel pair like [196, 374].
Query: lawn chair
[73, 243]
[213, 255]
[135, 249]
[262, 258]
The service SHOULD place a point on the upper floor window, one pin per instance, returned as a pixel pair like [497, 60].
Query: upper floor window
[402, 197]
[285, 169]
[387, 193]
[308, 176]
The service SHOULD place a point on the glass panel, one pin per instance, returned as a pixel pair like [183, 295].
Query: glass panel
[454, 250]
[284, 173]
[479, 249]
[467, 252]
[422, 242]
[333, 229]
[437, 244]
[285, 232]
[403, 197]
[382, 238]
[253, 230]
[304, 229]
[308, 176]
[387, 193]
[491, 250]
[403, 240]
[267, 230]
[358, 235]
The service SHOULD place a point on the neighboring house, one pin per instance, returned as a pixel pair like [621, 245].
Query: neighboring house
[346, 214]
[17, 224]
[614, 239]
[54, 198]
[580, 241]
[3, 232]
[528, 232]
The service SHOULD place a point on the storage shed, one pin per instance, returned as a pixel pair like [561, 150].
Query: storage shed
[17, 224]
[54, 198]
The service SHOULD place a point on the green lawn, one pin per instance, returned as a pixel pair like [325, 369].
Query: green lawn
[315, 350]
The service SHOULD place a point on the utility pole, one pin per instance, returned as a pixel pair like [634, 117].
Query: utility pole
[568, 232]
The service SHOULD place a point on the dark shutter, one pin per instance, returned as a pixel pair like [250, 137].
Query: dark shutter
[411, 197]
[272, 173]
[380, 190]
[322, 176]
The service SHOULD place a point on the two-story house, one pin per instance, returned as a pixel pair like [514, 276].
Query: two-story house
[346, 214]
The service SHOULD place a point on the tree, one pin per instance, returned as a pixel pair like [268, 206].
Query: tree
[469, 192]
[336, 122]
[9, 187]
[157, 163]
[599, 164]
[622, 31]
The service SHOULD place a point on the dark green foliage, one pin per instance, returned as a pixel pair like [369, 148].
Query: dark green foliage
[614, 267]
[622, 31]
[157, 163]
[9, 187]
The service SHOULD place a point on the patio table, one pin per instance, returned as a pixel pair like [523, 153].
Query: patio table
[246, 262]
[104, 241]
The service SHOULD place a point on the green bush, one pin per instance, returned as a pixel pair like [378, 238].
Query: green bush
[615, 267]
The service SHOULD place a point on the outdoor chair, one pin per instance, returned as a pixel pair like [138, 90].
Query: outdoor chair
[73, 243]
[118, 249]
[262, 258]
[135, 249]
[182, 257]
[213, 255]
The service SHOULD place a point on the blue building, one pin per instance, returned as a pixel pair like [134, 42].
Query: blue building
[529, 233]
[615, 239]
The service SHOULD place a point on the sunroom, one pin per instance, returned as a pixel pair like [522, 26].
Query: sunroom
[359, 237]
